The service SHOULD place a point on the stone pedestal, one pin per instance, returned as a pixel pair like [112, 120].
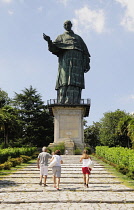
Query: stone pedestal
[69, 146]
[68, 124]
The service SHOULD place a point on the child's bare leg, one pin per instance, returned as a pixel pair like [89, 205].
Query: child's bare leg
[54, 180]
[41, 176]
[87, 179]
[58, 182]
[84, 178]
[45, 179]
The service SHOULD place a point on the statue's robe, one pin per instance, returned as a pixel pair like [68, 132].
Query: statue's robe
[74, 60]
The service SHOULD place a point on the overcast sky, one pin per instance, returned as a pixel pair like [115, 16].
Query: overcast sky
[106, 26]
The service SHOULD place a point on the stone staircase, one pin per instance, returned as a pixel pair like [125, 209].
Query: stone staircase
[21, 190]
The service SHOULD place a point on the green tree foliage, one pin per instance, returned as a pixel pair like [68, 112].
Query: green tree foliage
[4, 99]
[131, 131]
[37, 123]
[108, 128]
[91, 135]
[9, 124]
[123, 131]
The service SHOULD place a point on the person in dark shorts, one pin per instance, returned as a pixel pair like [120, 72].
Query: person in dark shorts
[85, 169]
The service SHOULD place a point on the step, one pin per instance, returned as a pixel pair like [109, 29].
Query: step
[21, 190]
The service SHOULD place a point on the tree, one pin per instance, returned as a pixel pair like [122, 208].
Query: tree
[123, 131]
[37, 123]
[91, 135]
[9, 123]
[109, 123]
[131, 131]
[4, 99]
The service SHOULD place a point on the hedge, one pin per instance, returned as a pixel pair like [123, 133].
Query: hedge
[5, 154]
[122, 157]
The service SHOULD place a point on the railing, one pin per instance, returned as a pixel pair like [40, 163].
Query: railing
[82, 102]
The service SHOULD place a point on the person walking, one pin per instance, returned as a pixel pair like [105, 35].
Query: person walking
[66, 152]
[85, 169]
[56, 169]
[42, 164]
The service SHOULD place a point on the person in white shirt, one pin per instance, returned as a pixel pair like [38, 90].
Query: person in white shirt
[57, 168]
[66, 152]
[85, 169]
[42, 164]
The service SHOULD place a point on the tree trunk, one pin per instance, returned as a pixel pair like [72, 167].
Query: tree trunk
[6, 135]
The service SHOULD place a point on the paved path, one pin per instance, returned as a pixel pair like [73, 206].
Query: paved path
[21, 190]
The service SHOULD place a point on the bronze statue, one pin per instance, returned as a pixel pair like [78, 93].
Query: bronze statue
[74, 61]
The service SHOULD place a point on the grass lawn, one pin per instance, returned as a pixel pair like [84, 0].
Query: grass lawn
[17, 168]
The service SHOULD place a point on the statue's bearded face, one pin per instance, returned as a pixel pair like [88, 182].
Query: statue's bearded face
[68, 25]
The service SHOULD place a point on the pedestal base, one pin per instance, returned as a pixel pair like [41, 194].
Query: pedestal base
[68, 124]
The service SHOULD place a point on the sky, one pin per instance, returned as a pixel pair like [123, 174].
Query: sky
[107, 28]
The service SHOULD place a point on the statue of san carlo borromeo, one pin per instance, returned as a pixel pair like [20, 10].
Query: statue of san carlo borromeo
[74, 61]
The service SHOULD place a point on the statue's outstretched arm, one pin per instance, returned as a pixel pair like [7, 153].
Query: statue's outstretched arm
[47, 38]
[51, 47]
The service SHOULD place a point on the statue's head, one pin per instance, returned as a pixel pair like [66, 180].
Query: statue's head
[67, 25]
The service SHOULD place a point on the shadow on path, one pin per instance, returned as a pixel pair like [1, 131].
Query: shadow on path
[7, 183]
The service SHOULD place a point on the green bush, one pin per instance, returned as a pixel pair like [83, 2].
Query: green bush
[122, 158]
[59, 146]
[35, 155]
[7, 165]
[49, 150]
[15, 161]
[77, 151]
[25, 158]
[15, 152]
[19, 160]
[122, 169]
[131, 174]
[1, 166]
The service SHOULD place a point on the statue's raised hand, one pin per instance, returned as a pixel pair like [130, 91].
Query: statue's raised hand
[47, 38]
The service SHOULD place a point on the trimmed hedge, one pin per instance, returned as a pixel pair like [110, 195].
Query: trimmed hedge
[123, 158]
[16, 161]
[5, 154]
[12, 162]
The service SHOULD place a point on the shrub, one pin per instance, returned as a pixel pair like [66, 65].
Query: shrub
[49, 150]
[1, 166]
[13, 161]
[19, 160]
[77, 151]
[131, 174]
[35, 155]
[7, 165]
[25, 158]
[120, 157]
[122, 169]
[59, 146]
[15, 152]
